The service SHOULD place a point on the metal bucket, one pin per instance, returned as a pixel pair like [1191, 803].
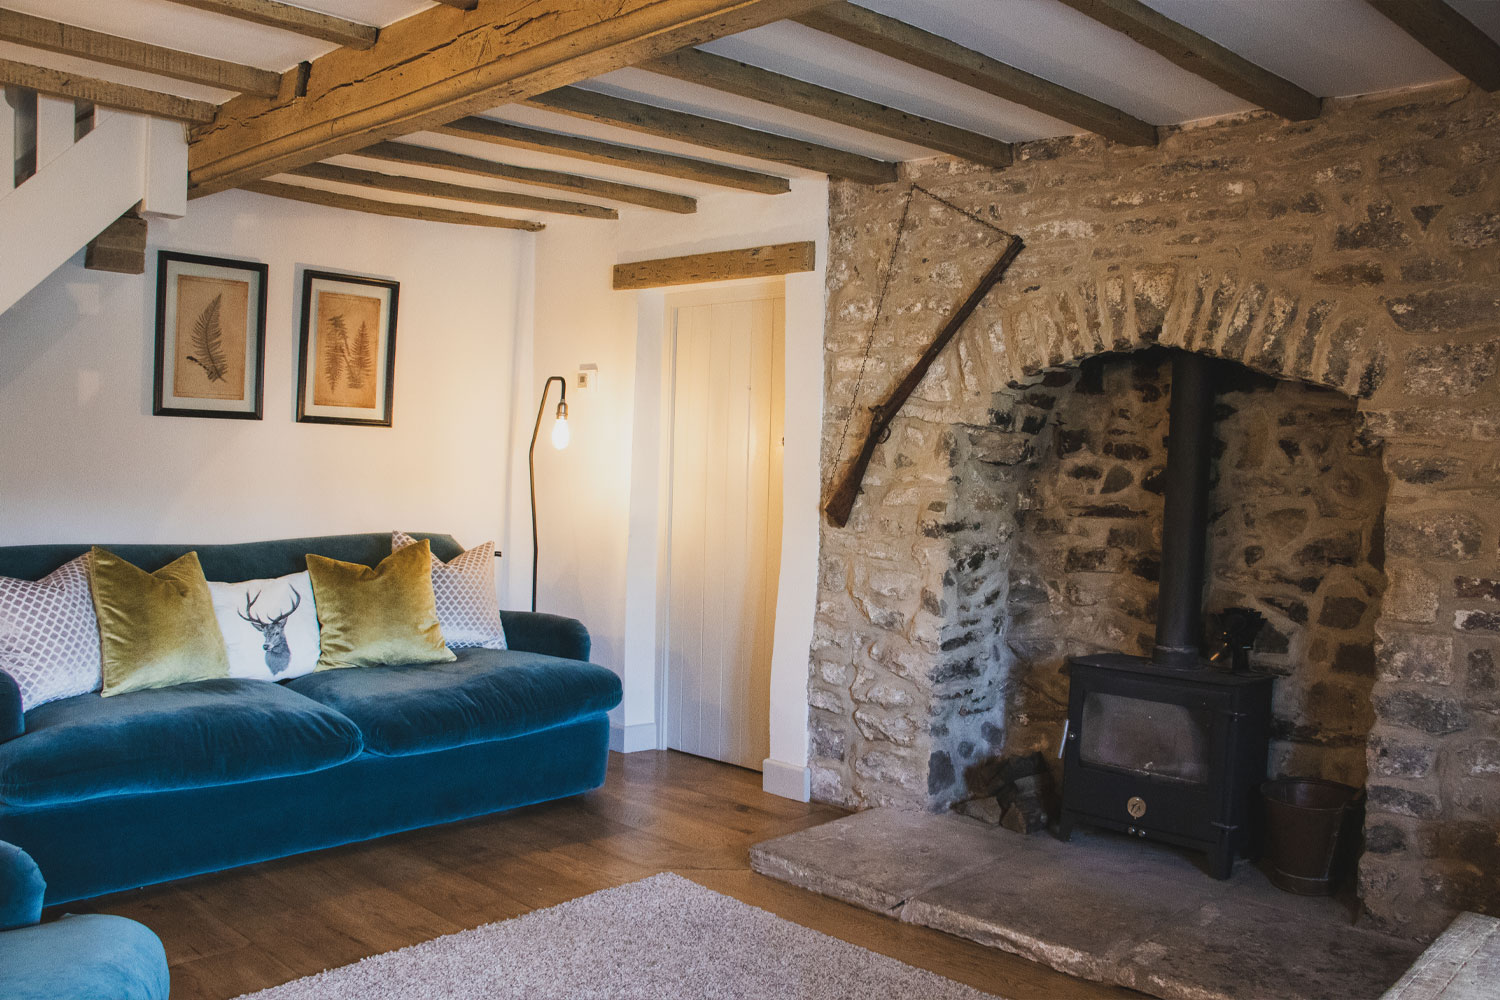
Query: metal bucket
[1311, 826]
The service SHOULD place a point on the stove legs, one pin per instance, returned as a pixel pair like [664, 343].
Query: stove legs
[1221, 859]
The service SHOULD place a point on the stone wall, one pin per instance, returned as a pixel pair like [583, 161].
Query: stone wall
[1359, 252]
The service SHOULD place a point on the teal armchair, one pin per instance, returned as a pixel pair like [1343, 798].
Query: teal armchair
[75, 957]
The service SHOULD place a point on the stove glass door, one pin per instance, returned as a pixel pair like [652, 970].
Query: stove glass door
[1156, 738]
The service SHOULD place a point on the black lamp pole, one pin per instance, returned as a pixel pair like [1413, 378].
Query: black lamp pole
[562, 414]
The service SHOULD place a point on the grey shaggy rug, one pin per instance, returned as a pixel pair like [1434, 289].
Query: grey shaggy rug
[662, 937]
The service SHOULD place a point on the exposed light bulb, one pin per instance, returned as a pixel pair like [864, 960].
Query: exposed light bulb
[560, 434]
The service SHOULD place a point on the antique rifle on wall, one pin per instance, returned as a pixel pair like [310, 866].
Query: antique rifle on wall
[841, 504]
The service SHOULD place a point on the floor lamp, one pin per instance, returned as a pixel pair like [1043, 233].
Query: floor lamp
[559, 441]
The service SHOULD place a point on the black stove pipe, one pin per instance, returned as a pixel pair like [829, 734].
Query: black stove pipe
[1179, 613]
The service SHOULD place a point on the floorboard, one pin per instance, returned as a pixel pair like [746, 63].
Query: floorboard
[262, 925]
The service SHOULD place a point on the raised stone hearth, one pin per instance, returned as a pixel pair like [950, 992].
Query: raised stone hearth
[1102, 907]
[1349, 268]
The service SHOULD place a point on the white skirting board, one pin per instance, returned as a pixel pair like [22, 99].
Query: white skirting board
[632, 739]
[790, 781]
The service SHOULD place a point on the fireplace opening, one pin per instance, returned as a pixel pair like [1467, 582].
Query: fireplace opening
[1292, 529]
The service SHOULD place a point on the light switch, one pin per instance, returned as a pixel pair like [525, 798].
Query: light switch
[588, 376]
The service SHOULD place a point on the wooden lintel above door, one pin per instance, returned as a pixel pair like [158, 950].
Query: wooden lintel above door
[725, 265]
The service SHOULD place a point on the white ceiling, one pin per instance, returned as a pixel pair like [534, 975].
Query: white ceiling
[1332, 48]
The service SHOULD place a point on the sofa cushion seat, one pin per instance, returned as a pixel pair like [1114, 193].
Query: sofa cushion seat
[213, 732]
[484, 694]
[83, 958]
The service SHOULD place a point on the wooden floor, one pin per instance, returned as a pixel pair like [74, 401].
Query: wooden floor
[262, 925]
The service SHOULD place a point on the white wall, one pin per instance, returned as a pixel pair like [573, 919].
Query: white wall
[83, 459]
[599, 501]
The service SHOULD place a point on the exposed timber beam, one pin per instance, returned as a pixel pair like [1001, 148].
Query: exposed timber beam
[711, 134]
[378, 181]
[754, 262]
[53, 36]
[1448, 35]
[426, 156]
[442, 63]
[936, 54]
[354, 203]
[121, 248]
[1206, 58]
[709, 70]
[103, 93]
[298, 20]
[594, 151]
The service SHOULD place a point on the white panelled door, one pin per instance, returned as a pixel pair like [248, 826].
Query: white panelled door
[724, 539]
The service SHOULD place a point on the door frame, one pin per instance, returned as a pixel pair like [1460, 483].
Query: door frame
[745, 290]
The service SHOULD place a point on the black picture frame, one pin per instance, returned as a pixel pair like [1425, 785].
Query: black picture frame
[318, 377]
[169, 396]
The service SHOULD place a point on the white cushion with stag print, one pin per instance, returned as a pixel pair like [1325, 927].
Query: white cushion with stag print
[467, 607]
[49, 637]
[270, 626]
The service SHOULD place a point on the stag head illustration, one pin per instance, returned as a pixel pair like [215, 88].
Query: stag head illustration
[272, 631]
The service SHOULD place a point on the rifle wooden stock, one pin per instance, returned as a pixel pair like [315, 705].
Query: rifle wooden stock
[841, 504]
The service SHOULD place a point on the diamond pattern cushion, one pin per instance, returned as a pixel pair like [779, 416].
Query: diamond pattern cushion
[49, 637]
[464, 586]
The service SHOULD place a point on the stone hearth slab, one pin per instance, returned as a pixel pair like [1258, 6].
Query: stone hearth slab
[1101, 907]
[1239, 948]
[881, 858]
[1462, 964]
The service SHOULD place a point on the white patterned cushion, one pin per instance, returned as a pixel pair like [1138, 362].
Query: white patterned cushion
[464, 587]
[281, 643]
[49, 637]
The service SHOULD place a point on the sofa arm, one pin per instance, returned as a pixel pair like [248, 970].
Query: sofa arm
[553, 635]
[21, 888]
[12, 719]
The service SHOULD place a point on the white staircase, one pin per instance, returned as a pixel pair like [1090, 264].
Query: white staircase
[79, 170]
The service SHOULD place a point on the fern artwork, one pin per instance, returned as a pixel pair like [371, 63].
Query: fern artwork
[346, 352]
[347, 367]
[210, 335]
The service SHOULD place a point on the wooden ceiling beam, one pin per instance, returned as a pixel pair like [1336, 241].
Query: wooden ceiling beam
[426, 156]
[354, 203]
[731, 76]
[298, 20]
[725, 265]
[712, 134]
[103, 93]
[1202, 56]
[68, 39]
[936, 54]
[442, 63]
[402, 184]
[595, 151]
[1448, 35]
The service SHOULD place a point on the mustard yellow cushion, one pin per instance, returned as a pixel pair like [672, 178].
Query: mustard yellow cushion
[388, 614]
[155, 629]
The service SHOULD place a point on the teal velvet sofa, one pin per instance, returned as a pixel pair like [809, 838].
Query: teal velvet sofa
[113, 793]
[88, 957]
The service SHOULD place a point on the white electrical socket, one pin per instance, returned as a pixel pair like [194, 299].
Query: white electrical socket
[588, 376]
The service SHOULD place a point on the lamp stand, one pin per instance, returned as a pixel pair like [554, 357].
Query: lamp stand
[562, 398]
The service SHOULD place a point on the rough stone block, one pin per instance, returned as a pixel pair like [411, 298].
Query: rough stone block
[1415, 656]
[1422, 711]
[1450, 369]
[1449, 536]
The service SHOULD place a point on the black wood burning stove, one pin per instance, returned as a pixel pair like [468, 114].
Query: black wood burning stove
[1171, 747]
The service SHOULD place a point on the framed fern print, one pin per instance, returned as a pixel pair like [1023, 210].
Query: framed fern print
[348, 358]
[210, 337]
